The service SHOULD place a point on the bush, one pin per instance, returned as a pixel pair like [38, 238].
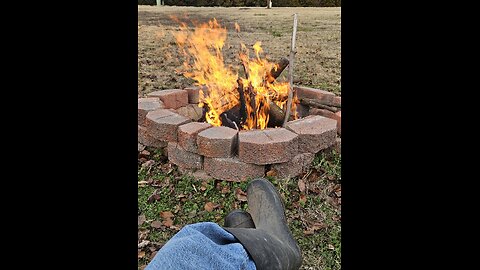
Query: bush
[147, 2]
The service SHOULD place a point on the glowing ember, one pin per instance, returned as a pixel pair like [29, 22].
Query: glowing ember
[204, 63]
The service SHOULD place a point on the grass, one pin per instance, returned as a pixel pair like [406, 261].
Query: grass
[313, 216]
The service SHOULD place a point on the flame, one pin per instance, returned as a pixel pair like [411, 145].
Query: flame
[202, 48]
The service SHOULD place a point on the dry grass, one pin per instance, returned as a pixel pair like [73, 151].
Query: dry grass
[318, 42]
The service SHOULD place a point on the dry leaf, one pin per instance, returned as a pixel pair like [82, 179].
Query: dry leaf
[309, 232]
[209, 206]
[330, 246]
[141, 219]
[168, 222]
[166, 214]
[141, 254]
[225, 189]
[156, 224]
[301, 185]
[240, 195]
[272, 173]
[143, 244]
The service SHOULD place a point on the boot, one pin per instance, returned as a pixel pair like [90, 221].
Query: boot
[270, 243]
[239, 219]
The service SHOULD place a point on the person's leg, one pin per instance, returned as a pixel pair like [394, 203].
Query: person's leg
[203, 245]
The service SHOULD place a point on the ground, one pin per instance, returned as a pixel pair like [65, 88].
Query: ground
[168, 200]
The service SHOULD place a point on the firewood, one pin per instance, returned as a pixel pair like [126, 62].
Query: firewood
[243, 105]
[273, 74]
[276, 115]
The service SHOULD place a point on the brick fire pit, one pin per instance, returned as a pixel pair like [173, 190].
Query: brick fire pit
[169, 119]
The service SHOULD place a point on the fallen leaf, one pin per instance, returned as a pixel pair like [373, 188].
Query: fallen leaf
[240, 195]
[145, 153]
[156, 224]
[330, 246]
[209, 206]
[148, 163]
[143, 244]
[308, 232]
[141, 254]
[177, 208]
[141, 219]
[142, 183]
[168, 222]
[272, 173]
[166, 214]
[225, 190]
[154, 197]
[301, 185]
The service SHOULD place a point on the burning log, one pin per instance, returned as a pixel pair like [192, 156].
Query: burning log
[243, 105]
[317, 104]
[231, 118]
[275, 73]
[276, 115]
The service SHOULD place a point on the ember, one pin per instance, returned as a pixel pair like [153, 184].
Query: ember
[255, 101]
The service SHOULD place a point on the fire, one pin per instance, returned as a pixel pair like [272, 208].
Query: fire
[202, 48]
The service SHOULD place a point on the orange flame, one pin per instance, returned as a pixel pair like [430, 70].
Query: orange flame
[204, 63]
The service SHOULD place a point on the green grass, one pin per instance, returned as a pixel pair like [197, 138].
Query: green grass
[186, 197]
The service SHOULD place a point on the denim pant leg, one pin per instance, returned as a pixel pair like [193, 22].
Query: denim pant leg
[202, 245]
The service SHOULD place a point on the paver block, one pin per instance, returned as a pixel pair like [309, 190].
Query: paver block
[163, 124]
[171, 98]
[267, 146]
[308, 92]
[191, 111]
[182, 158]
[147, 140]
[187, 135]
[315, 133]
[232, 169]
[298, 165]
[217, 142]
[146, 105]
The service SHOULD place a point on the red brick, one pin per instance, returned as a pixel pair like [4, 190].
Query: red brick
[182, 158]
[191, 111]
[217, 142]
[194, 93]
[298, 165]
[307, 92]
[273, 145]
[315, 133]
[187, 135]
[172, 98]
[147, 140]
[232, 169]
[146, 105]
[163, 124]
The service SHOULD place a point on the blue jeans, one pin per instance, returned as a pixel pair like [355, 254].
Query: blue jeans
[202, 245]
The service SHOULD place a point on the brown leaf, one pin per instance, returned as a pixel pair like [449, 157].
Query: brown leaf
[141, 254]
[301, 185]
[168, 222]
[272, 173]
[309, 232]
[209, 206]
[225, 189]
[204, 186]
[240, 195]
[156, 224]
[166, 214]
[154, 197]
[141, 219]
[145, 153]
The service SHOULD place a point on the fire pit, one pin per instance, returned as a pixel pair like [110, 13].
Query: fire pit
[231, 126]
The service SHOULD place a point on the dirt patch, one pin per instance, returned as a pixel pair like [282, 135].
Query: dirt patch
[318, 58]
